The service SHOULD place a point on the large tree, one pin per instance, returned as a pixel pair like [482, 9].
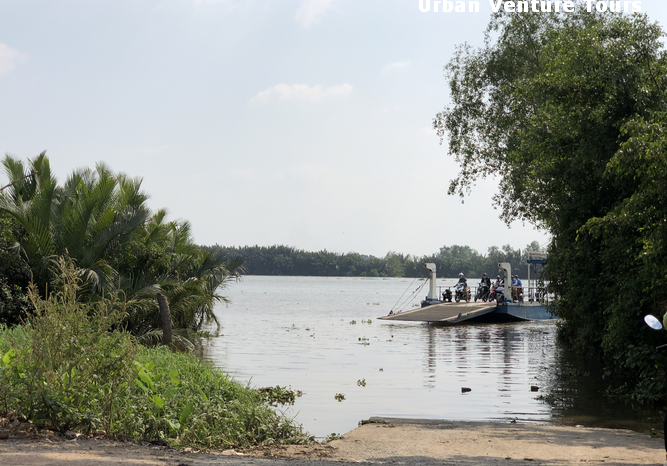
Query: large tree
[565, 109]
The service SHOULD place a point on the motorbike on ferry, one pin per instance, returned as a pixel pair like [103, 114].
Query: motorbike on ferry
[482, 292]
[462, 292]
[496, 293]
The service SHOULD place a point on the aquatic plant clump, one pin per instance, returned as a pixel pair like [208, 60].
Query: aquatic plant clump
[279, 395]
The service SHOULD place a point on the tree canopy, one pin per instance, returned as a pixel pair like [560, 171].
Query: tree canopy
[569, 111]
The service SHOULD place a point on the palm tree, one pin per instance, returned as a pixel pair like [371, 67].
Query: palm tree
[189, 276]
[99, 220]
[87, 219]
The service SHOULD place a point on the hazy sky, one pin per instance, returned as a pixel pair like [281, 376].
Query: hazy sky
[297, 122]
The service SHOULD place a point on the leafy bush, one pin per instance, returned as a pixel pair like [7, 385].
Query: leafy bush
[14, 279]
[64, 369]
[178, 398]
[68, 371]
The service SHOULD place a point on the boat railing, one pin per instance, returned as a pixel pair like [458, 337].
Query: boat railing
[534, 294]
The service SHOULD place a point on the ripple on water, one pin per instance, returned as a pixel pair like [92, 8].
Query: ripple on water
[297, 331]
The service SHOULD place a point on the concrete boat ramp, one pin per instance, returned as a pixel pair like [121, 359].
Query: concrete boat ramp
[444, 313]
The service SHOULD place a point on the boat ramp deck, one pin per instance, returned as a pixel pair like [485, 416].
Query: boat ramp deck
[455, 313]
[444, 313]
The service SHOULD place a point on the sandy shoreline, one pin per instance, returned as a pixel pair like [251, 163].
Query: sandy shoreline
[399, 441]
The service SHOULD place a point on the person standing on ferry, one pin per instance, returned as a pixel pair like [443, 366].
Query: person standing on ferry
[500, 289]
[516, 287]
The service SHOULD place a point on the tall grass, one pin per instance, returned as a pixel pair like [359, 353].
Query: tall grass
[68, 371]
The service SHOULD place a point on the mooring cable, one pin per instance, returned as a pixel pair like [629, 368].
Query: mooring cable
[406, 290]
[412, 295]
[405, 303]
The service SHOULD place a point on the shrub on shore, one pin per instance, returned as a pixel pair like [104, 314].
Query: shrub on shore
[176, 396]
[68, 371]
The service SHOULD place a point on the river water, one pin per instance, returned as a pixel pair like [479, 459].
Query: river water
[320, 335]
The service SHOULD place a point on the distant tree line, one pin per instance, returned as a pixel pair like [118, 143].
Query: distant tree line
[449, 260]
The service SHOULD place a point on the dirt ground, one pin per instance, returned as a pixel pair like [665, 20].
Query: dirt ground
[411, 442]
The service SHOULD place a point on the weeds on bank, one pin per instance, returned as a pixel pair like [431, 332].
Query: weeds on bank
[178, 398]
[331, 437]
[67, 370]
[65, 367]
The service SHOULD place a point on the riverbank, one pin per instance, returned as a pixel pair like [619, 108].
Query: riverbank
[67, 372]
[401, 441]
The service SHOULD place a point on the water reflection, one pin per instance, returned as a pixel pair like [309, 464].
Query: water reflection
[307, 332]
[579, 397]
[431, 356]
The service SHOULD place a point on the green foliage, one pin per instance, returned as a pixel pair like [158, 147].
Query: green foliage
[179, 399]
[88, 219]
[100, 221]
[331, 437]
[14, 279]
[570, 109]
[64, 369]
[278, 395]
[449, 260]
[67, 371]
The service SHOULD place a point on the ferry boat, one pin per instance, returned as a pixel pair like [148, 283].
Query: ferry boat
[533, 306]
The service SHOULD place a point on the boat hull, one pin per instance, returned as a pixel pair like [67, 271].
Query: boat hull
[457, 313]
[527, 311]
